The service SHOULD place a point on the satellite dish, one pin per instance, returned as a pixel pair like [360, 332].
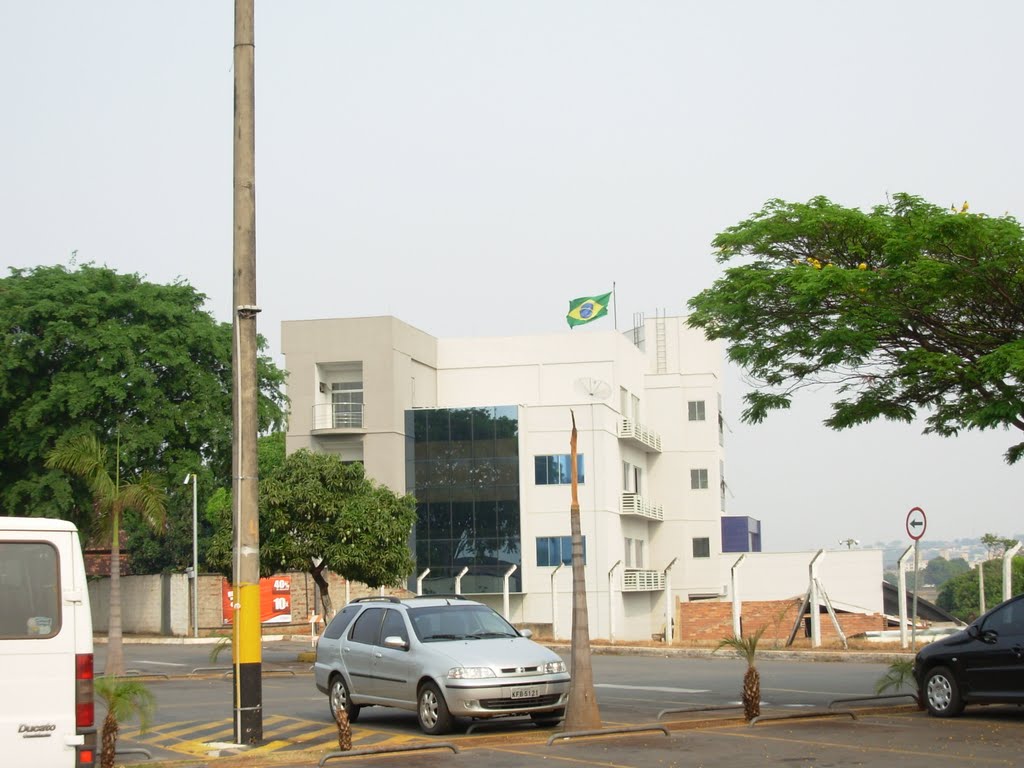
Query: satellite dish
[595, 389]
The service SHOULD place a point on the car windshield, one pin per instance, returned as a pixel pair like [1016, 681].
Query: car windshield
[458, 622]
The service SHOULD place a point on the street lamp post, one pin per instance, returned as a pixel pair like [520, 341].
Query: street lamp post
[195, 552]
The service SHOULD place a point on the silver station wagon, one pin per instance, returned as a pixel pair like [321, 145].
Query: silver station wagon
[441, 657]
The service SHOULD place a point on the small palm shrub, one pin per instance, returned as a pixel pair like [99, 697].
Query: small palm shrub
[124, 700]
[898, 676]
[746, 647]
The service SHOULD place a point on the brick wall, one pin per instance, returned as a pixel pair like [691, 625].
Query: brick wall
[162, 604]
[706, 621]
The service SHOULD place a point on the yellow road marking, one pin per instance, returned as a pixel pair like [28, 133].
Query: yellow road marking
[223, 730]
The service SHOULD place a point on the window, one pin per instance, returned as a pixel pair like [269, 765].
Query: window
[627, 549]
[698, 479]
[695, 410]
[702, 547]
[557, 550]
[367, 627]
[347, 403]
[639, 553]
[1007, 620]
[394, 626]
[631, 476]
[556, 470]
[341, 620]
[29, 590]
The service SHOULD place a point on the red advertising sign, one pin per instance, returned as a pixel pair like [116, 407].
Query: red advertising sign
[275, 600]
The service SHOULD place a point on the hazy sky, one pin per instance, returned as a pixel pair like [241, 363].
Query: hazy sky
[471, 166]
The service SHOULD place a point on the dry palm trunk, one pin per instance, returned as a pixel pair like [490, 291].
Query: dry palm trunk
[108, 749]
[344, 731]
[751, 694]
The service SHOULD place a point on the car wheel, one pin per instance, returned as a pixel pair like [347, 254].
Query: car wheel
[432, 711]
[942, 694]
[339, 699]
[547, 719]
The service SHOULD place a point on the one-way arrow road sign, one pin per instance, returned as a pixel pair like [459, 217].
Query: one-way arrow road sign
[917, 523]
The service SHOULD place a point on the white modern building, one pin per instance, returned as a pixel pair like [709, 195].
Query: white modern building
[478, 430]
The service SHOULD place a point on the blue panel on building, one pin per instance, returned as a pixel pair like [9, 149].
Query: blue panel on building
[741, 534]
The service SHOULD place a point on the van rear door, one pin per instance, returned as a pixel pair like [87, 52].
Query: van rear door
[41, 586]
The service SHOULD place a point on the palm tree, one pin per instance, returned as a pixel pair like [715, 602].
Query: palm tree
[124, 699]
[899, 676]
[83, 455]
[582, 711]
[747, 648]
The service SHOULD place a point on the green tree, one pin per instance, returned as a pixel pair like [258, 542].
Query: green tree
[113, 495]
[172, 551]
[940, 570]
[904, 308]
[124, 699]
[317, 512]
[98, 351]
[960, 595]
[996, 545]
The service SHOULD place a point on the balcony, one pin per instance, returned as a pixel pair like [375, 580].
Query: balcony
[636, 433]
[634, 504]
[637, 580]
[337, 416]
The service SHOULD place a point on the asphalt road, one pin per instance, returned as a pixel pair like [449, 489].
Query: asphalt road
[193, 718]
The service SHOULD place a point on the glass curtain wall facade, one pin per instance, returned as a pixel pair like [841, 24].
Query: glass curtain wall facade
[463, 469]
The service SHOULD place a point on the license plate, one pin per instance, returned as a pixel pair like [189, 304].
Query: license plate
[525, 693]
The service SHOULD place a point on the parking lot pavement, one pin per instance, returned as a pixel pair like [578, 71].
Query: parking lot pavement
[983, 736]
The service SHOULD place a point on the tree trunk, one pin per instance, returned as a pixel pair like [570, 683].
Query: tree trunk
[582, 712]
[115, 648]
[108, 745]
[317, 572]
[751, 694]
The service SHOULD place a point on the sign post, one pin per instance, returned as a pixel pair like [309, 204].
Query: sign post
[916, 525]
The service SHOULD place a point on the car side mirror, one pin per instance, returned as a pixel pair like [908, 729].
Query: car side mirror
[394, 641]
[973, 632]
[525, 633]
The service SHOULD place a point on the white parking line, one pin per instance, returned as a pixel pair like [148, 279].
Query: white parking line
[651, 688]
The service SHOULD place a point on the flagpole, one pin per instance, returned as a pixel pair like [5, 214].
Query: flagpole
[615, 307]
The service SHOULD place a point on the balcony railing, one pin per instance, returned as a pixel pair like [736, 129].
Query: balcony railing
[634, 504]
[638, 580]
[337, 416]
[640, 435]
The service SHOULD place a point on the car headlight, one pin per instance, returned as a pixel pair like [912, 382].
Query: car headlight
[470, 673]
[553, 667]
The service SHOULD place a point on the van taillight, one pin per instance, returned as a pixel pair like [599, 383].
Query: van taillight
[85, 712]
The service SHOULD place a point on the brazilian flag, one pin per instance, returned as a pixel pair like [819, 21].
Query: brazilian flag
[587, 308]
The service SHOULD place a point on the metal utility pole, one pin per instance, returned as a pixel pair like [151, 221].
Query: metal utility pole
[246, 645]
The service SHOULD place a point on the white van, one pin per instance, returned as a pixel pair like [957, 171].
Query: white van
[47, 715]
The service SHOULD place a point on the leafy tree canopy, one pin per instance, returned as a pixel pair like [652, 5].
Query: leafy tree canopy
[907, 307]
[940, 570]
[996, 545]
[314, 507]
[960, 595]
[95, 352]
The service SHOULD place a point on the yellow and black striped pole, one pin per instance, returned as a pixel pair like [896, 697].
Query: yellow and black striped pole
[246, 645]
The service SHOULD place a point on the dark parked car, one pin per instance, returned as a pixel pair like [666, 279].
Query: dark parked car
[983, 664]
